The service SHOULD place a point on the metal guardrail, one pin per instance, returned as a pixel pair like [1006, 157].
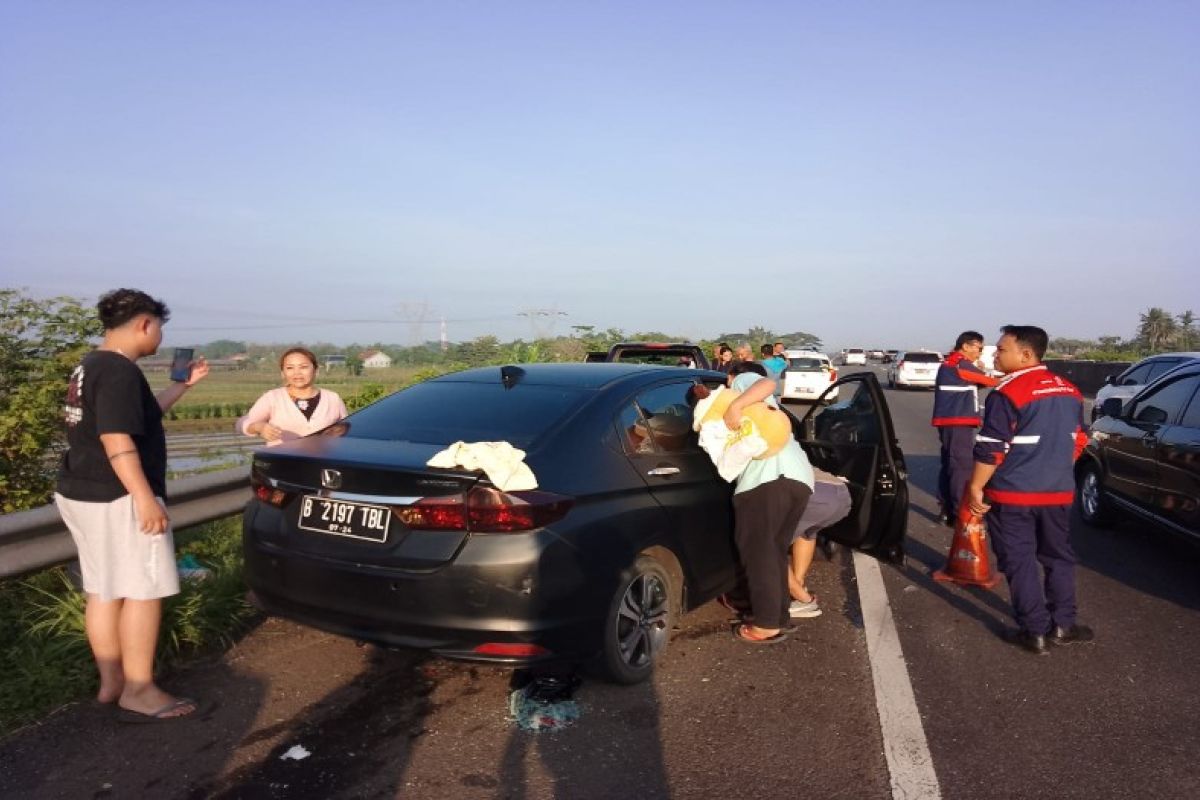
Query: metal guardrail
[36, 539]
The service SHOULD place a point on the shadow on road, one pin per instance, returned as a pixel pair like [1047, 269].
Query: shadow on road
[1144, 558]
[82, 751]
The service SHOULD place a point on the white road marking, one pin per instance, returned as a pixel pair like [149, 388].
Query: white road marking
[909, 762]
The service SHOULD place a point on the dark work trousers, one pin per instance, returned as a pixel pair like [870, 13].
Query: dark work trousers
[765, 518]
[1023, 537]
[958, 462]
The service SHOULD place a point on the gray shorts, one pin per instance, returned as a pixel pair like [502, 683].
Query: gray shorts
[830, 503]
[116, 559]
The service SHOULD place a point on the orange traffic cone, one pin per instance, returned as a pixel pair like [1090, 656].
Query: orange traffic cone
[969, 561]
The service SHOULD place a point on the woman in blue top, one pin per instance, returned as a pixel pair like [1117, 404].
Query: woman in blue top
[768, 502]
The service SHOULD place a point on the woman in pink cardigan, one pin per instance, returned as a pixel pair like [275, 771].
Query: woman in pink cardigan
[297, 408]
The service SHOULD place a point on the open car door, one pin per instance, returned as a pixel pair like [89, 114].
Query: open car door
[854, 438]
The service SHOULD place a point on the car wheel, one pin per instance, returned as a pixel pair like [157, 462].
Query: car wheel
[639, 622]
[1093, 507]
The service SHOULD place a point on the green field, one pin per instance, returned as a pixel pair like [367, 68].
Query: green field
[213, 403]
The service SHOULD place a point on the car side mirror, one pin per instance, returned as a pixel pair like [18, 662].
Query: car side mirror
[1111, 407]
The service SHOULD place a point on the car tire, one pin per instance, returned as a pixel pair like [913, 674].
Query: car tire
[639, 622]
[1089, 494]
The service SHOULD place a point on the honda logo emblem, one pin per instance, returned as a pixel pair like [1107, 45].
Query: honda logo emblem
[331, 479]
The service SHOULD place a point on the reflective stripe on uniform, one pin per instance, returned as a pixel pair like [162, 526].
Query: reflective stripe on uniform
[956, 388]
[1025, 439]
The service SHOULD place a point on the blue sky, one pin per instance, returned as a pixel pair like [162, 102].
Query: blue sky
[880, 174]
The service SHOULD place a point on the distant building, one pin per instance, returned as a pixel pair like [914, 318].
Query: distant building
[335, 361]
[374, 359]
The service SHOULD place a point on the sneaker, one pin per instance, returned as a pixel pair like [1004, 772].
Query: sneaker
[800, 609]
[1075, 634]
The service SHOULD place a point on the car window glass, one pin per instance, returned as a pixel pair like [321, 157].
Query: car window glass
[1191, 415]
[1166, 403]
[928, 358]
[806, 364]
[1136, 376]
[635, 434]
[853, 421]
[669, 417]
[441, 412]
[1160, 367]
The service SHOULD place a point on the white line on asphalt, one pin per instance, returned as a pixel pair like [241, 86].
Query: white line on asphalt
[908, 758]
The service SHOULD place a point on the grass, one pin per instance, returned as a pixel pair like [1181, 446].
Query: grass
[46, 661]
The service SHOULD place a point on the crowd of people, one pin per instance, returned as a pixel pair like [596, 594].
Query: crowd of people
[1011, 461]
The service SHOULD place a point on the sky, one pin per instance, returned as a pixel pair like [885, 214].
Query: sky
[879, 174]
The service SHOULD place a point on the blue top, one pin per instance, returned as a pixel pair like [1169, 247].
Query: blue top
[790, 462]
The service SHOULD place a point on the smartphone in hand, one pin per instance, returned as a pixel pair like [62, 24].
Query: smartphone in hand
[181, 364]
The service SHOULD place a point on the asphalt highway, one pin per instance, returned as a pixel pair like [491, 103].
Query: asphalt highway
[802, 719]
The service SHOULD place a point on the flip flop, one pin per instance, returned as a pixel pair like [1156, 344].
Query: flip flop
[164, 714]
[742, 632]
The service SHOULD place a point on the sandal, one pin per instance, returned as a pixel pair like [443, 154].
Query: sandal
[164, 714]
[742, 631]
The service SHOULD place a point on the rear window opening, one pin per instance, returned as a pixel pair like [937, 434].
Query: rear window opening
[923, 358]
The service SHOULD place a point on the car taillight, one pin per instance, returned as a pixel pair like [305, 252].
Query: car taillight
[511, 650]
[269, 495]
[832, 374]
[486, 510]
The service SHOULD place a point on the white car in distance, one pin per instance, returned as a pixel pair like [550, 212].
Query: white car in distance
[914, 368]
[808, 375]
[854, 355]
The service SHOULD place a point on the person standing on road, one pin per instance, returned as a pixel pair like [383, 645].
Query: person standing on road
[295, 409]
[768, 502]
[1024, 481]
[110, 493]
[956, 417]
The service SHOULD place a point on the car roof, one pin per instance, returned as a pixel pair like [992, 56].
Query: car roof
[1167, 355]
[576, 374]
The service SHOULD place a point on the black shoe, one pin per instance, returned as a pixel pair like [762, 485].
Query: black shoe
[1030, 642]
[1075, 634]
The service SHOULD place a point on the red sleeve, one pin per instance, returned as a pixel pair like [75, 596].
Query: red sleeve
[975, 376]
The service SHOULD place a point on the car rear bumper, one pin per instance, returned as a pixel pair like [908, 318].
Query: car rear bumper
[803, 393]
[916, 380]
[509, 589]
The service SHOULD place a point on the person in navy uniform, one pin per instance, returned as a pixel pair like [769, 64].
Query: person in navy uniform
[1024, 481]
[956, 417]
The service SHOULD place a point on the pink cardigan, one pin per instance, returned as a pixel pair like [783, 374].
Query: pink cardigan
[278, 409]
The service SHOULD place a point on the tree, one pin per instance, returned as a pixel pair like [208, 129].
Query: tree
[1156, 328]
[1186, 320]
[41, 341]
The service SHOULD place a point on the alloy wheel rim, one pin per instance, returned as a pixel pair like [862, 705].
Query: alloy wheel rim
[642, 618]
[1090, 494]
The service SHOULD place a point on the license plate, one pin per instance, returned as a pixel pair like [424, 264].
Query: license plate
[341, 518]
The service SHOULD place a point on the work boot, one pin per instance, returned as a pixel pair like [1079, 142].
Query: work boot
[1030, 642]
[1076, 634]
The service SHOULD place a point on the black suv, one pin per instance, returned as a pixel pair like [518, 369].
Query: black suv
[1143, 456]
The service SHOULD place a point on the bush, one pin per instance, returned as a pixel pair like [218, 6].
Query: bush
[49, 661]
[41, 341]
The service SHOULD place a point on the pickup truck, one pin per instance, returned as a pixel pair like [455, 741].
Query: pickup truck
[661, 353]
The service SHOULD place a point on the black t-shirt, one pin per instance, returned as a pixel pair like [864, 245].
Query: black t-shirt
[109, 394]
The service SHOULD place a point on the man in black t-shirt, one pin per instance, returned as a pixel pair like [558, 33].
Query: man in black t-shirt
[111, 491]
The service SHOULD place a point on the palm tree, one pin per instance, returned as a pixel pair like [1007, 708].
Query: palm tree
[1157, 326]
[1186, 320]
